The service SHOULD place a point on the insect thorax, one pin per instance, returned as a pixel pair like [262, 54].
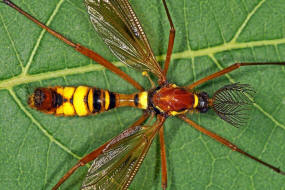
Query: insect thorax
[173, 100]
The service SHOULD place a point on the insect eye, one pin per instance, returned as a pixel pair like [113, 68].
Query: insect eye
[203, 105]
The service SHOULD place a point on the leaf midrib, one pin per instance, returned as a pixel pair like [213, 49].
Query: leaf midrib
[188, 54]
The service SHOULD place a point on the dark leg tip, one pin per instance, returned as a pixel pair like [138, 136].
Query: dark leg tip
[8, 2]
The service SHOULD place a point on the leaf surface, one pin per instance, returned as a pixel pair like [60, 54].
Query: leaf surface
[37, 149]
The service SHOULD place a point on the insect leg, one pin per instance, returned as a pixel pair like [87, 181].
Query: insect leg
[81, 49]
[170, 40]
[228, 143]
[91, 156]
[227, 70]
[163, 159]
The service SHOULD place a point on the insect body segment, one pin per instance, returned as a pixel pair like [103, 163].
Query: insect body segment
[173, 100]
[82, 100]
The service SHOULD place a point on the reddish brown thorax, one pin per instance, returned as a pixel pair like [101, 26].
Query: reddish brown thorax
[171, 99]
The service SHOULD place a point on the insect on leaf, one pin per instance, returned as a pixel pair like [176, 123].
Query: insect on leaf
[31, 155]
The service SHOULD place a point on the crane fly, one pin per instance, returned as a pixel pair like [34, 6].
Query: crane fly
[115, 163]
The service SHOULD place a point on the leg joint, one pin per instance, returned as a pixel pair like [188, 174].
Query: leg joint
[237, 65]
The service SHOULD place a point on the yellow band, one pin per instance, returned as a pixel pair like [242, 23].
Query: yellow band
[68, 92]
[143, 100]
[196, 101]
[90, 100]
[78, 100]
[68, 109]
[107, 100]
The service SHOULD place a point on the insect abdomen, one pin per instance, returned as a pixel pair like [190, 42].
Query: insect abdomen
[82, 100]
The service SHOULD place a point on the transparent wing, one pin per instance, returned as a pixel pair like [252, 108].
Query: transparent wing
[116, 167]
[117, 24]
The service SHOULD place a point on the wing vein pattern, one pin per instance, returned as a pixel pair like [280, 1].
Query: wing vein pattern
[120, 29]
[116, 167]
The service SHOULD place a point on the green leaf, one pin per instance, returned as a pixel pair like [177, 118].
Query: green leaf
[37, 149]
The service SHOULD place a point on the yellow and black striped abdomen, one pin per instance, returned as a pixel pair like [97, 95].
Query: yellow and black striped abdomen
[82, 100]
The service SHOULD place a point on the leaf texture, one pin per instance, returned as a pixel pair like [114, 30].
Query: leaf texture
[37, 149]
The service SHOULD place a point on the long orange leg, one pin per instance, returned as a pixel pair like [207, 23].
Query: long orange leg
[227, 143]
[81, 49]
[91, 156]
[163, 159]
[170, 40]
[227, 70]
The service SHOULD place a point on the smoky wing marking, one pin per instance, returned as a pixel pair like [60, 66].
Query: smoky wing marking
[118, 26]
[120, 160]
